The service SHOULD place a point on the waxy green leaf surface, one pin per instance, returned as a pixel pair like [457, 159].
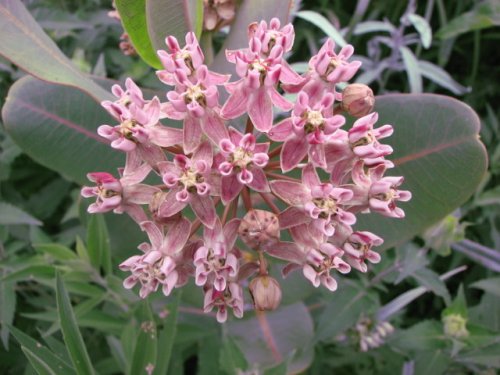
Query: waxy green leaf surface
[57, 126]
[437, 149]
[25, 44]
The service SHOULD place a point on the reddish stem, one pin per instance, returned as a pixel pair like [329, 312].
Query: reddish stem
[281, 177]
[275, 152]
[267, 198]
[338, 109]
[247, 201]
[249, 126]
[174, 149]
[273, 165]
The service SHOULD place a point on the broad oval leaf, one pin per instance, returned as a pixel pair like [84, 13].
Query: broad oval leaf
[437, 149]
[169, 17]
[133, 17]
[57, 126]
[25, 44]
[269, 338]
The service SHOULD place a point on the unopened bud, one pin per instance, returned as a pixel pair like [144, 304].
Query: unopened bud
[358, 100]
[455, 326]
[266, 293]
[259, 228]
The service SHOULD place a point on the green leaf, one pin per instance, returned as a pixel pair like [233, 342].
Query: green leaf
[412, 70]
[32, 272]
[491, 285]
[42, 352]
[430, 280]
[423, 28]
[71, 333]
[133, 17]
[436, 149]
[208, 355]
[484, 15]
[7, 308]
[167, 336]
[41, 367]
[98, 243]
[373, 26]
[11, 215]
[57, 251]
[32, 50]
[433, 362]
[248, 12]
[426, 335]
[59, 134]
[324, 24]
[347, 308]
[441, 77]
[232, 360]
[459, 304]
[269, 338]
[483, 356]
[169, 17]
[146, 342]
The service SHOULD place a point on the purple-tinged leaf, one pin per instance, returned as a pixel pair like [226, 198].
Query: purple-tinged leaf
[56, 126]
[25, 44]
[437, 150]
[268, 339]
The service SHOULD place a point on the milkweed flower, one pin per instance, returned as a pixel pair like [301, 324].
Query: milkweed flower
[196, 182]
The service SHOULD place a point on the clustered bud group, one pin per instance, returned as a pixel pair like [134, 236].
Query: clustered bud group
[223, 171]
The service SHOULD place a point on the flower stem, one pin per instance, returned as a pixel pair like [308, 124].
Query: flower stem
[273, 165]
[281, 177]
[247, 201]
[275, 152]
[267, 198]
[249, 126]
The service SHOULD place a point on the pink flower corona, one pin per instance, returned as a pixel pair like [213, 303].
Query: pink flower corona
[196, 181]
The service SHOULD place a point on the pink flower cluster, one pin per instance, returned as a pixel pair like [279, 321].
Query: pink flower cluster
[211, 167]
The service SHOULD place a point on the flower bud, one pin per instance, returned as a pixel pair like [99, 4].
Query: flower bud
[455, 326]
[358, 100]
[266, 293]
[259, 228]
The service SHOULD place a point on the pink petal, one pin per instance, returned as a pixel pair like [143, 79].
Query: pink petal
[259, 181]
[311, 275]
[260, 110]
[281, 131]
[154, 234]
[192, 134]
[214, 127]
[177, 236]
[293, 193]
[292, 153]
[170, 206]
[203, 153]
[302, 235]
[292, 217]
[288, 251]
[231, 232]
[139, 194]
[236, 104]
[288, 76]
[203, 207]
[279, 101]
[165, 137]
[310, 177]
[230, 188]
[317, 155]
